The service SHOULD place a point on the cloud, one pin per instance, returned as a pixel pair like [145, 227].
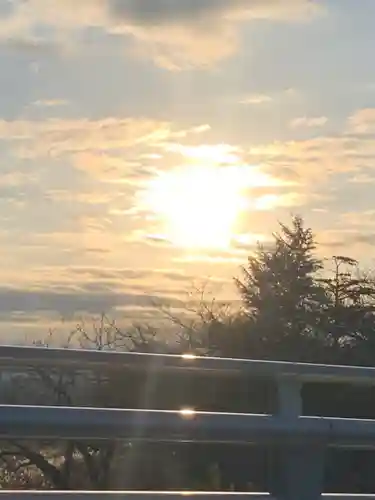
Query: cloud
[177, 34]
[346, 239]
[362, 121]
[92, 300]
[183, 34]
[79, 278]
[304, 121]
[316, 159]
[273, 201]
[67, 290]
[256, 99]
[350, 232]
[211, 153]
[364, 219]
[105, 162]
[55, 137]
[50, 103]
[155, 12]
[113, 169]
[36, 304]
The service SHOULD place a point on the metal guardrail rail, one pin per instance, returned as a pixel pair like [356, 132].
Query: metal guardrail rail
[107, 360]
[133, 495]
[156, 495]
[73, 423]
[300, 442]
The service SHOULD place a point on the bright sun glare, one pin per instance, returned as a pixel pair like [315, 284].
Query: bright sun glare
[200, 206]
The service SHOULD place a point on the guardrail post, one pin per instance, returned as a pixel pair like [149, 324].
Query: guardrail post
[297, 470]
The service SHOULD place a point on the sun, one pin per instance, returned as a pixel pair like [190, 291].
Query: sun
[200, 206]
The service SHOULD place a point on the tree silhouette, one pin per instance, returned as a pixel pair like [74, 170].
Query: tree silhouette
[281, 295]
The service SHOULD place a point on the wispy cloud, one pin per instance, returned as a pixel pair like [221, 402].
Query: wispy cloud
[67, 303]
[254, 99]
[347, 238]
[50, 103]
[309, 122]
[55, 137]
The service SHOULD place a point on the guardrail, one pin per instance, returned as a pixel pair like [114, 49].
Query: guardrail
[299, 441]
[155, 495]
[133, 495]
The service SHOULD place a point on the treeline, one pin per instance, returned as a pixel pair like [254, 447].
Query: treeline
[295, 307]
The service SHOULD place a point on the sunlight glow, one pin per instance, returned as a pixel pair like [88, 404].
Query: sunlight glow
[200, 205]
[187, 413]
[188, 356]
[219, 153]
[266, 202]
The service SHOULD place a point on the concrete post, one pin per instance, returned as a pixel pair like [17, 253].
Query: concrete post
[297, 469]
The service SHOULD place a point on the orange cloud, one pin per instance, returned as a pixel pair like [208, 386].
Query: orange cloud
[363, 121]
[55, 137]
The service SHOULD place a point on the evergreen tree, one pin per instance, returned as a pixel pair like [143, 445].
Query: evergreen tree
[281, 294]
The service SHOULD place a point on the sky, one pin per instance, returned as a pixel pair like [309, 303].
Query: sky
[147, 145]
